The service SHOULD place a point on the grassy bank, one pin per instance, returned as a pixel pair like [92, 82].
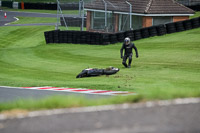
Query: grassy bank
[168, 66]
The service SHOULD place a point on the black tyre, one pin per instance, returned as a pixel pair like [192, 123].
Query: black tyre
[171, 28]
[129, 34]
[145, 32]
[195, 22]
[179, 26]
[56, 36]
[187, 24]
[137, 34]
[152, 31]
[113, 38]
[120, 36]
[161, 30]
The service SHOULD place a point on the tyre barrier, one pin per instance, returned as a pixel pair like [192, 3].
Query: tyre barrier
[137, 34]
[96, 38]
[179, 26]
[187, 24]
[72, 21]
[7, 4]
[113, 38]
[152, 31]
[161, 30]
[120, 36]
[70, 6]
[129, 34]
[105, 39]
[145, 32]
[79, 37]
[195, 22]
[42, 6]
[171, 28]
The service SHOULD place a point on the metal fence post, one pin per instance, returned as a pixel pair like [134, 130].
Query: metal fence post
[130, 12]
[105, 14]
[82, 24]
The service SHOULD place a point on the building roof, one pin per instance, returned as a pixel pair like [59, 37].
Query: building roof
[141, 6]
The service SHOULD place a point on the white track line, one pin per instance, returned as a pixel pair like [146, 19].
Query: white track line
[11, 22]
[149, 104]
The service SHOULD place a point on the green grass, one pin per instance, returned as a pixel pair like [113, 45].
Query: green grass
[197, 14]
[33, 20]
[168, 66]
[65, 102]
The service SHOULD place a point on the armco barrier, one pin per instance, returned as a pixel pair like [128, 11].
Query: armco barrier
[96, 38]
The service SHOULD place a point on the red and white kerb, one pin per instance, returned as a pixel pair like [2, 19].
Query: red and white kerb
[81, 90]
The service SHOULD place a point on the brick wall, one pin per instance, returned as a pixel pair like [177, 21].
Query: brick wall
[147, 21]
[88, 20]
[180, 18]
[116, 22]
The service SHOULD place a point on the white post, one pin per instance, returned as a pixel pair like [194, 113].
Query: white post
[105, 14]
[80, 7]
[130, 12]
[57, 15]
[82, 26]
[15, 5]
[59, 9]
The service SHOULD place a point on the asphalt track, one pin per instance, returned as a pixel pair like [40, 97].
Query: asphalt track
[11, 94]
[177, 116]
[11, 17]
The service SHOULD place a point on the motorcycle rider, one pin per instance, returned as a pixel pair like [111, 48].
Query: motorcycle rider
[128, 46]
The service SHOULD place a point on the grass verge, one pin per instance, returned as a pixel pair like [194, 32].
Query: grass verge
[65, 102]
[33, 20]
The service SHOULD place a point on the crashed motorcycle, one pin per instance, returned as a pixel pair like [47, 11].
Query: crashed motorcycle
[90, 72]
